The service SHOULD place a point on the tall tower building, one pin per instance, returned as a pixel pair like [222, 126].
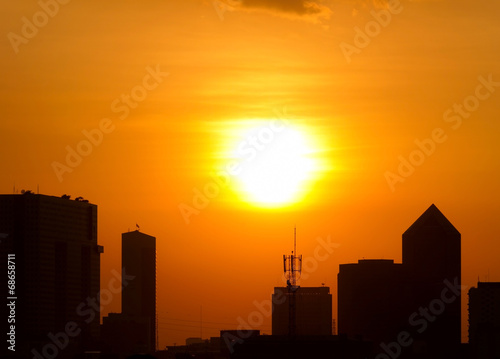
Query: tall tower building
[432, 257]
[139, 298]
[432, 248]
[53, 244]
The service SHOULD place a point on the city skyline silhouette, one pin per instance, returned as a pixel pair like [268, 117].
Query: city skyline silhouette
[378, 299]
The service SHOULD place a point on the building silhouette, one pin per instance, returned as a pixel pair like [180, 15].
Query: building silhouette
[484, 320]
[300, 347]
[57, 263]
[370, 298]
[432, 256]
[139, 299]
[134, 329]
[195, 348]
[313, 311]
[124, 335]
[379, 299]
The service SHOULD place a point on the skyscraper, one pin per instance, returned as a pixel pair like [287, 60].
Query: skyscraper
[57, 263]
[139, 298]
[432, 258]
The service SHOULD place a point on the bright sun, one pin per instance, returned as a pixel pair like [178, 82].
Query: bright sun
[276, 163]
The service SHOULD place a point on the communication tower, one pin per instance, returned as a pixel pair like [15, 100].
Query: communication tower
[292, 265]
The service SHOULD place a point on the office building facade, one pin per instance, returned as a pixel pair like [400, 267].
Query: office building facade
[313, 311]
[57, 268]
[139, 297]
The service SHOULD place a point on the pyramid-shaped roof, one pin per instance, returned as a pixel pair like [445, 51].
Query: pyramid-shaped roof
[431, 217]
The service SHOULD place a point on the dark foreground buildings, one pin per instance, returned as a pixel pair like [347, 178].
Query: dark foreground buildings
[484, 320]
[57, 261]
[250, 344]
[385, 309]
[411, 308]
[301, 347]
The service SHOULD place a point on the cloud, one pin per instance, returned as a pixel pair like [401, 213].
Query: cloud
[298, 7]
[314, 11]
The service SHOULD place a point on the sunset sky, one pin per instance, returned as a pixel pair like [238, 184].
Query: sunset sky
[391, 106]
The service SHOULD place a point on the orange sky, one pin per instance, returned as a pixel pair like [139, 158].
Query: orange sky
[431, 66]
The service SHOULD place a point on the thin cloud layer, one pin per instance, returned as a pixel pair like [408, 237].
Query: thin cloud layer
[299, 7]
[306, 9]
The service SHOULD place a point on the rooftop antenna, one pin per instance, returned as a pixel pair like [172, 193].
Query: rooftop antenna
[295, 239]
[292, 265]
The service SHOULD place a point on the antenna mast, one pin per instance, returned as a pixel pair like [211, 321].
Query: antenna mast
[292, 267]
[295, 240]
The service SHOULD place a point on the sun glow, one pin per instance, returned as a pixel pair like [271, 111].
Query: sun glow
[276, 163]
